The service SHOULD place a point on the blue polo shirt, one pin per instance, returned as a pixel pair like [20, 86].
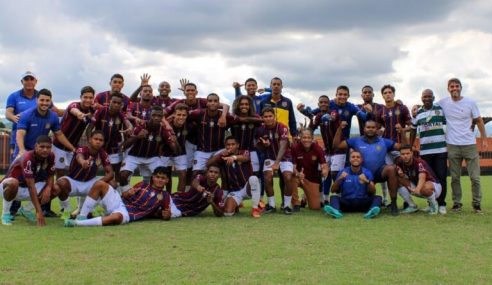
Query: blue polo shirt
[351, 187]
[373, 154]
[20, 103]
[36, 125]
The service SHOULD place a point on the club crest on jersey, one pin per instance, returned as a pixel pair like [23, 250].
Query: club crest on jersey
[390, 114]
[314, 157]
[284, 104]
[117, 121]
[212, 124]
[98, 162]
[159, 196]
[62, 159]
[437, 113]
[378, 148]
[185, 132]
[346, 113]
[397, 112]
[158, 139]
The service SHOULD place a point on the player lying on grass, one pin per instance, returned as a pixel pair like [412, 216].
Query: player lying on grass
[204, 191]
[82, 172]
[416, 178]
[239, 175]
[141, 201]
[30, 177]
[354, 188]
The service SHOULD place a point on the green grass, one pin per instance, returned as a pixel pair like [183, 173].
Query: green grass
[305, 248]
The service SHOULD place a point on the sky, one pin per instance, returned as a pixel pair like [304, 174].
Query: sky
[314, 46]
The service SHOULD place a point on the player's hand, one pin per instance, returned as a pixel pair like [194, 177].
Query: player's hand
[144, 79]
[367, 108]
[142, 134]
[343, 124]
[301, 176]
[210, 197]
[380, 132]
[222, 122]
[236, 85]
[166, 214]
[45, 195]
[138, 121]
[16, 118]
[363, 178]
[300, 107]
[325, 172]
[343, 175]
[265, 142]
[399, 171]
[275, 166]
[261, 90]
[183, 82]
[86, 163]
[81, 116]
[398, 128]
[127, 131]
[200, 188]
[229, 160]
[40, 219]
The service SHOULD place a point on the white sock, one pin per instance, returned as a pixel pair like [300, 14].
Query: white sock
[407, 197]
[254, 184]
[80, 202]
[97, 221]
[271, 201]
[287, 200]
[88, 206]
[6, 206]
[384, 189]
[65, 205]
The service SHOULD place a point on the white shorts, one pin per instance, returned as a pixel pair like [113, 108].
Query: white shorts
[255, 161]
[391, 156]
[239, 195]
[116, 158]
[201, 158]
[179, 162]
[23, 192]
[112, 203]
[146, 165]
[80, 188]
[437, 189]
[284, 166]
[336, 161]
[190, 153]
[63, 158]
[175, 212]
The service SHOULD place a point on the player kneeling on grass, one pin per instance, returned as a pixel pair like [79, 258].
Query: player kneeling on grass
[204, 191]
[82, 172]
[30, 176]
[239, 174]
[415, 177]
[355, 191]
[142, 201]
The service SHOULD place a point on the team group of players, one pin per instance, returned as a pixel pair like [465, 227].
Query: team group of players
[201, 140]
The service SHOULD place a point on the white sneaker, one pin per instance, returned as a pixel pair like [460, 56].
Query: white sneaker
[442, 210]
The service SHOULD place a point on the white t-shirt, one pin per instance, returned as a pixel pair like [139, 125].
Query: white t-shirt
[459, 115]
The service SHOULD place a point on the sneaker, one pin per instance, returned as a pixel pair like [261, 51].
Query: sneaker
[287, 211]
[65, 215]
[442, 210]
[373, 212]
[269, 209]
[256, 212]
[456, 208]
[69, 223]
[7, 219]
[29, 215]
[409, 210]
[433, 207]
[477, 209]
[405, 205]
[303, 203]
[332, 212]
[296, 209]
[80, 218]
[394, 209]
[50, 214]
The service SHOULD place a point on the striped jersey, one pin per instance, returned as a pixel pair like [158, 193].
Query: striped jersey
[238, 173]
[164, 102]
[284, 112]
[31, 166]
[136, 109]
[110, 126]
[430, 126]
[146, 202]
[104, 98]
[210, 136]
[245, 134]
[390, 117]
[193, 202]
[71, 126]
[78, 173]
[328, 124]
[150, 145]
[417, 166]
[275, 135]
[370, 116]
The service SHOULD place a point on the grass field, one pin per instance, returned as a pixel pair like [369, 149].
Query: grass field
[305, 248]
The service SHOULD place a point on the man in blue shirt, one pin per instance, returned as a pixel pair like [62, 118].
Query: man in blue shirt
[355, 189]
[373, 149]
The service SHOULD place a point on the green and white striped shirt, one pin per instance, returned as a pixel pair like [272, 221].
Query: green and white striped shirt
[430, 126]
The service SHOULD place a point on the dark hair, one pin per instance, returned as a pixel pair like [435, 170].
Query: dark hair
[117, 75]
[302, 130]
[156, 108]
[267, 109]
[276, 78]
[43, 139]
[160, 170]
[406, 146]
[250, 80]
[45, 92]
[97, 132]
[230, 138]
[213, 94]
[343, 87]
[387, 86]
[146, 85]
[190, 84]
[454, 80]
[370, 120]
[367, 86]
[116, 94]
[87, 89]
[237, 102]
[213, 165]
[324, 96]
[181, 106]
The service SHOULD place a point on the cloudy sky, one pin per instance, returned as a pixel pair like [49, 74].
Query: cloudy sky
[313, 45]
